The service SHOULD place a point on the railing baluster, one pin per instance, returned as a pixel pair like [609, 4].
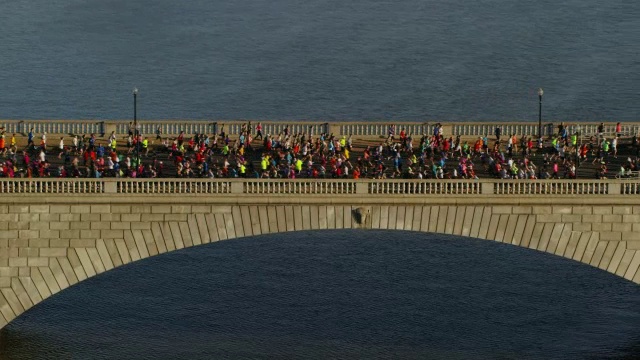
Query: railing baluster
[321, 186]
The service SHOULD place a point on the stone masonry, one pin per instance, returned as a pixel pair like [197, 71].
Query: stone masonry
[50, 243]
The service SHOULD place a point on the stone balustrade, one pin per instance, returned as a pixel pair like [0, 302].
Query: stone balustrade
[51, 186]
[488, 187]
[355, 128]
[426, 187]
[555, 187]
[169, 186]
[306, 187]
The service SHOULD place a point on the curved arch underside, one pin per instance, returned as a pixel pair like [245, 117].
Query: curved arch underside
[47, 248]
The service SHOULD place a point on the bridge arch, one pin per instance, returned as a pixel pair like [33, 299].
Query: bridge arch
[61, 244]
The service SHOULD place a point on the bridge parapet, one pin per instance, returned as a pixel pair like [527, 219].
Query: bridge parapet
[377, 128]
[490, 187]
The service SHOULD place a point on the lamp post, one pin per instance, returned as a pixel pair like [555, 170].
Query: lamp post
[579, 144]
[135, 124]
[540, 93]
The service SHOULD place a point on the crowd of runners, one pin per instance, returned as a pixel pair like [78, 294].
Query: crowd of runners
[255, 154]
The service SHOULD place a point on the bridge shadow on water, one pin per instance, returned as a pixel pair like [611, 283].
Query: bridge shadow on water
[338, 294]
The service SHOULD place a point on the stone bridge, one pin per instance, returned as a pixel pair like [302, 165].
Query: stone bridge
[55, 233]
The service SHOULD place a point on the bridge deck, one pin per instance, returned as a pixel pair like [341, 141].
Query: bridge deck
[587, 169]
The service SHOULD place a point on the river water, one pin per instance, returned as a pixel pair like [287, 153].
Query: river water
[447, 60]
[338, 294]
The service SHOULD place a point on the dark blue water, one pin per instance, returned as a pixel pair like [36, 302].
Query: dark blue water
[338, 294]
[323, 59]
